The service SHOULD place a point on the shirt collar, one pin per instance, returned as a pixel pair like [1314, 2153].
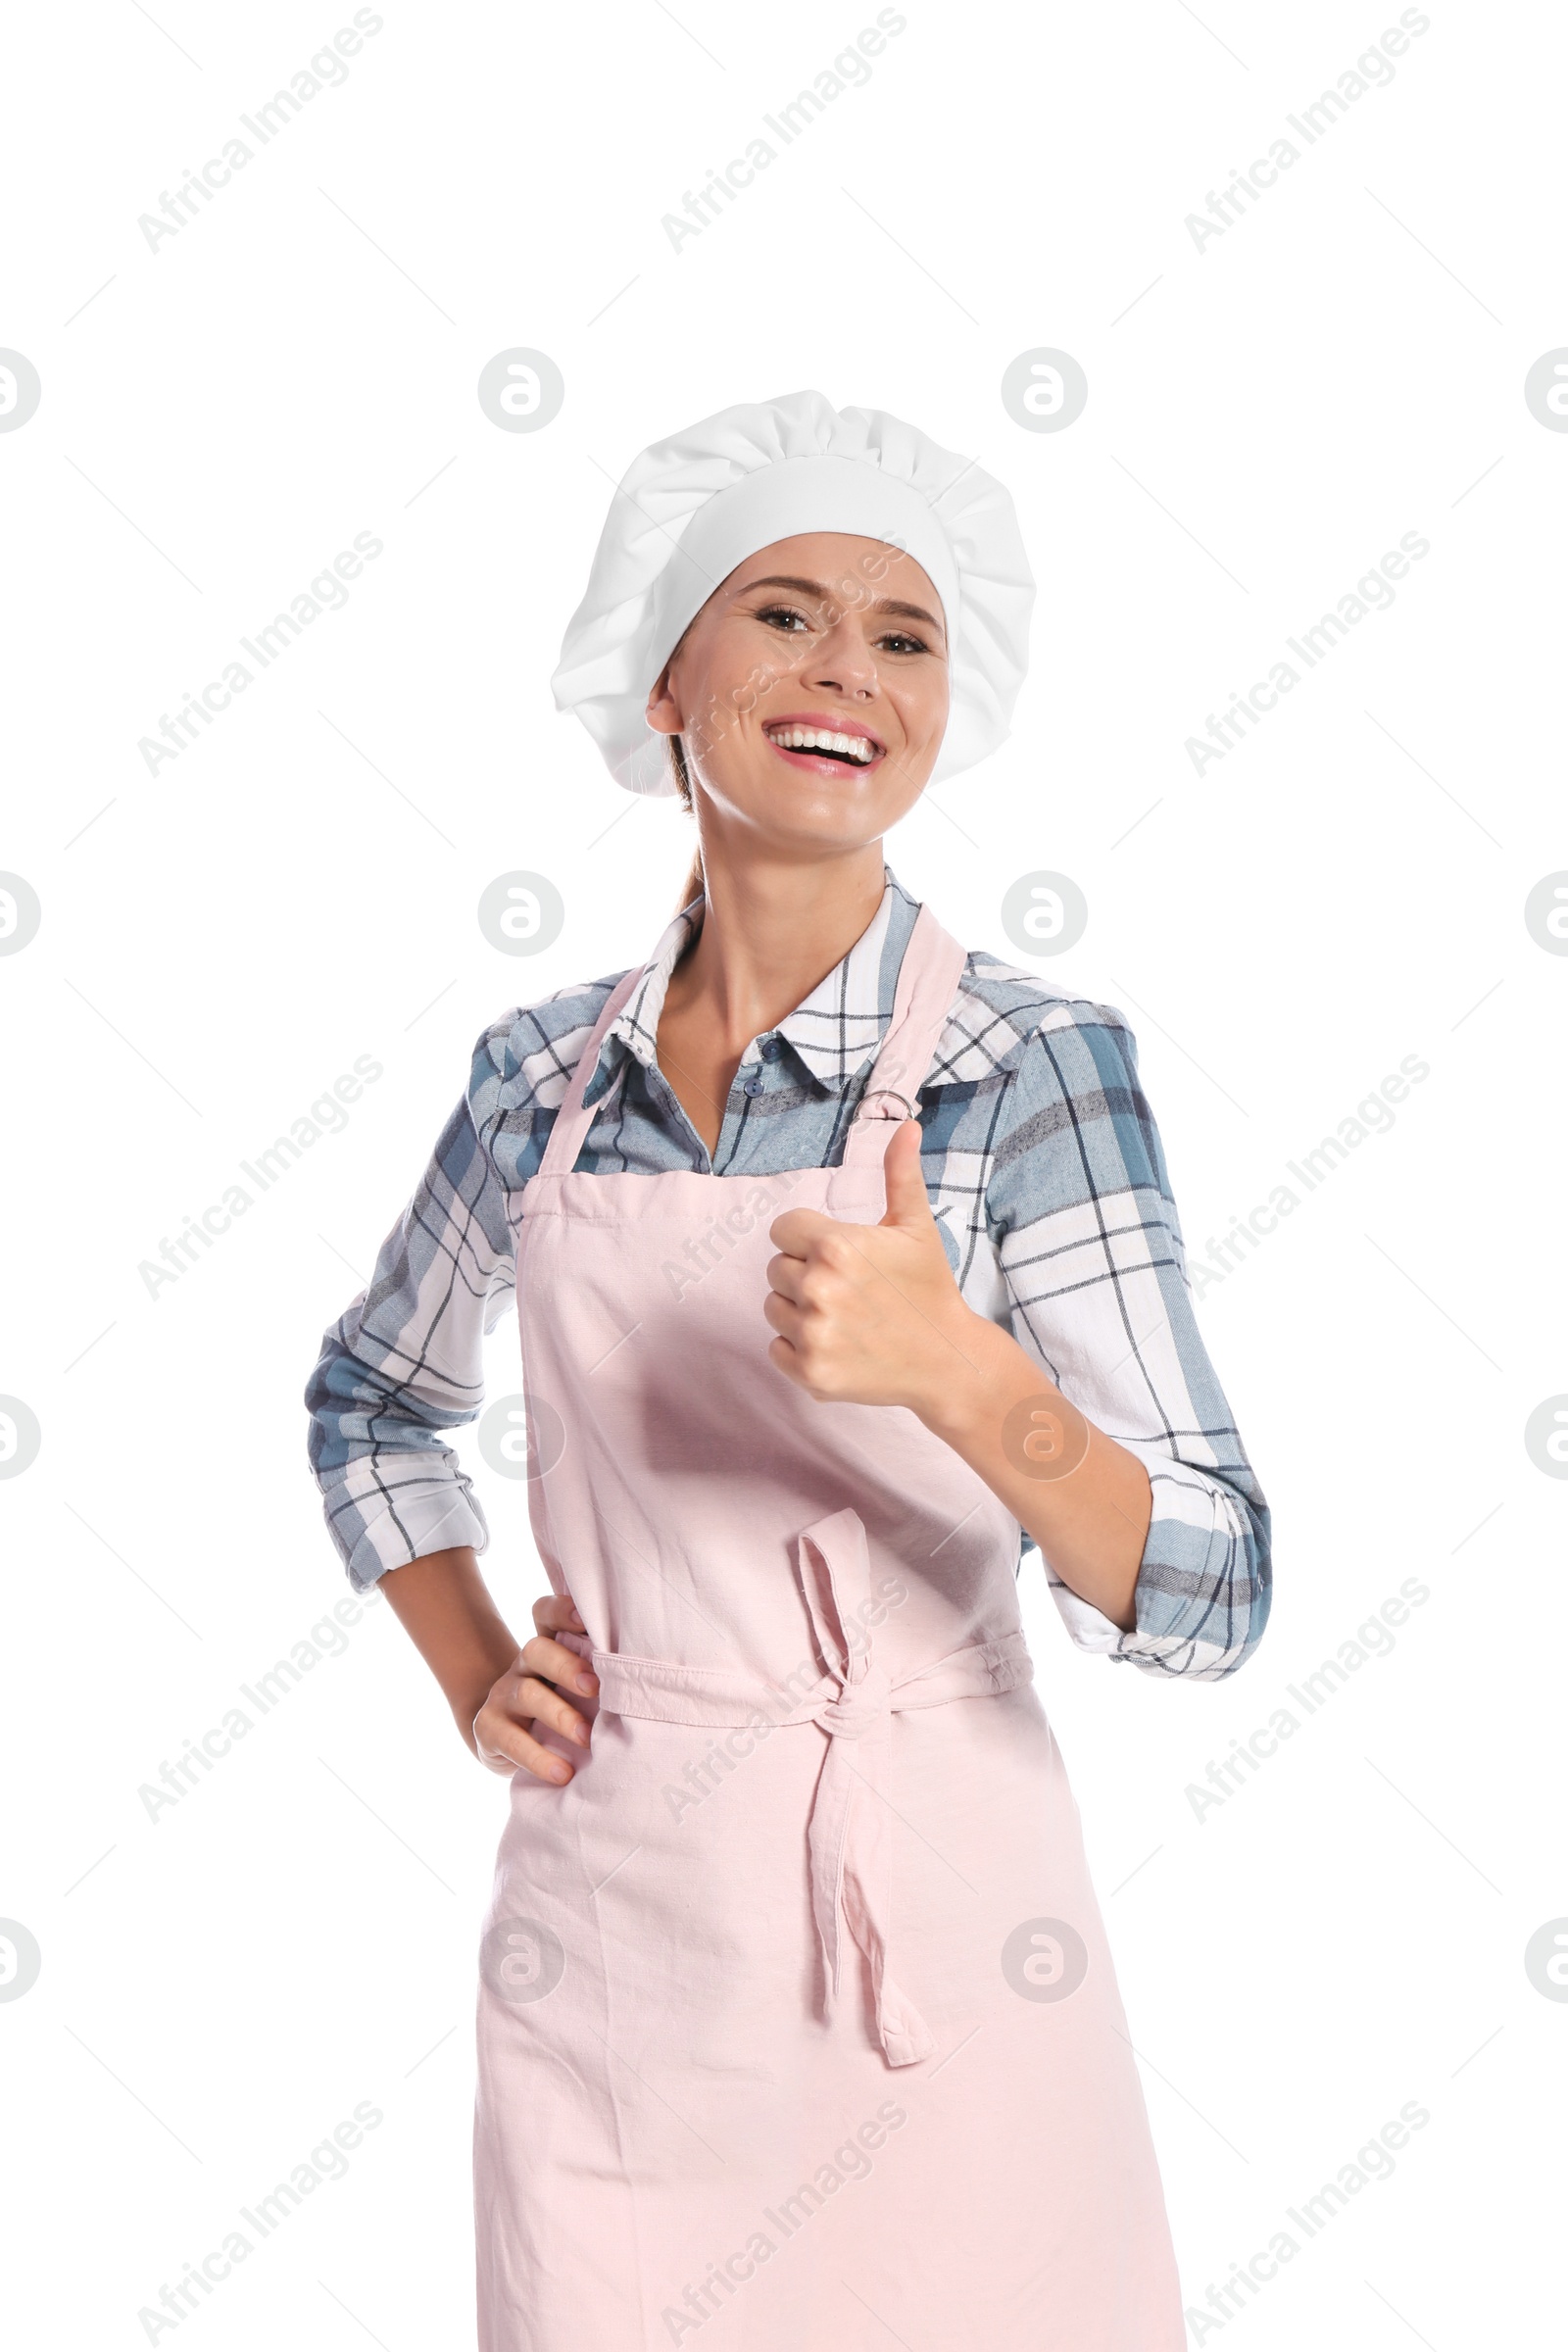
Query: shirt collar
[835, 1031]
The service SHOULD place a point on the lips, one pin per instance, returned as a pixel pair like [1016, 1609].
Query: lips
[824, 745]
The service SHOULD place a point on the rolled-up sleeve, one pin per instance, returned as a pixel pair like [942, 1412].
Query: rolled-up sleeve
[1091, 1247]
[403, 1362]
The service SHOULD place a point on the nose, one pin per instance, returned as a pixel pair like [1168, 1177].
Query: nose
[844, 659]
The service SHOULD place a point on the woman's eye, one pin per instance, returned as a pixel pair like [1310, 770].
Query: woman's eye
[790, 621]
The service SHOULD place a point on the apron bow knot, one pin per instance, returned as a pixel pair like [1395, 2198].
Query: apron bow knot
[860, 1706]
[849, 1834]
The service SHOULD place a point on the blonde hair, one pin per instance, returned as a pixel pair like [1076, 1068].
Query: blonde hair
[683, 786]
[694, 886]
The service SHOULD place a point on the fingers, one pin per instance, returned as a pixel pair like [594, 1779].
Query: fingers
[798, 1228]
[784, 1315]
[556, 1614]
[787, 1276]
[503, 1744]
[520, 1704]
[800, 1305]
[531, 1697]
[552, 1662]
[909, 1205]
[826, 1261]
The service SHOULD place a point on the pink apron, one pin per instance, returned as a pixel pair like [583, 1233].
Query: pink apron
[797, 2030]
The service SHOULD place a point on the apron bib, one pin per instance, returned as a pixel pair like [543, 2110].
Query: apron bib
[798, 2031]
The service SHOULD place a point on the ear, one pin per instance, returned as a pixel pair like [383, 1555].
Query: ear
[908, 1205]
[663, 712]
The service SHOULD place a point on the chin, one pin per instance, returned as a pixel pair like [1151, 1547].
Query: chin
[841, 811]
[816, 823]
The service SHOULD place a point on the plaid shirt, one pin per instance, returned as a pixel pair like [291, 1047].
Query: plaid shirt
[1045, 1171]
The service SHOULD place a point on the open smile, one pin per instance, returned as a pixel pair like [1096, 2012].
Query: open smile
[823, 746]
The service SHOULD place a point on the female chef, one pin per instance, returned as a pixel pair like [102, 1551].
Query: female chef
[845, 1269]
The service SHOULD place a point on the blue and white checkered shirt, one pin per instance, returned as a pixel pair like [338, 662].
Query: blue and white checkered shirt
[1045, 1171]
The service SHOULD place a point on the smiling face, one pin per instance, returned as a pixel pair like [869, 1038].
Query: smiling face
[811, 692]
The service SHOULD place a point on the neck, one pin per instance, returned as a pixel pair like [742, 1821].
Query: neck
[773, 929]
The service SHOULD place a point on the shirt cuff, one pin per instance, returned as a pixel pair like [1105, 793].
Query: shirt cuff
[1090, 1628]
[375, 1534]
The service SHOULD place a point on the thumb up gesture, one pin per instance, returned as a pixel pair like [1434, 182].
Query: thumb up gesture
[870, 1315]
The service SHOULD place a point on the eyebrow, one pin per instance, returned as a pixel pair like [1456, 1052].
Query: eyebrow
[885, 604]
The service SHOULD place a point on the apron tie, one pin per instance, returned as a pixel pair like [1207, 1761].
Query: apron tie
[848, 1837]
[860, 1707]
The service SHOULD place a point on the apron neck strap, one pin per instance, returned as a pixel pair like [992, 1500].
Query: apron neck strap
[574, 1118]
[928, 981]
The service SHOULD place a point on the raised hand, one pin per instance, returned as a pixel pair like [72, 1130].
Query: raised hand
[870, 1315]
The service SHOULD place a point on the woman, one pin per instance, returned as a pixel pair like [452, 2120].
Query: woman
[846, 1264]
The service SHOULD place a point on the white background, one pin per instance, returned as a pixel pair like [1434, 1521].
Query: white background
[1266, 415]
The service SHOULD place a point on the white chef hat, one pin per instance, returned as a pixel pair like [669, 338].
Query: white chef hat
[692, 508]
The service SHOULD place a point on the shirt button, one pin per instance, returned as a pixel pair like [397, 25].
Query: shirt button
[772, 1047]
[753, 1086]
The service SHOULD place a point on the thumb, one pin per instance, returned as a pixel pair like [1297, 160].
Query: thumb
[907, 1203]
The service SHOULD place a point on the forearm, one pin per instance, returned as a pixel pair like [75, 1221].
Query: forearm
[1085, 1499]
[404, 1362]
[445, 1606]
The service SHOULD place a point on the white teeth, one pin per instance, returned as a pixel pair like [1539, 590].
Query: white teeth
[820, 739]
